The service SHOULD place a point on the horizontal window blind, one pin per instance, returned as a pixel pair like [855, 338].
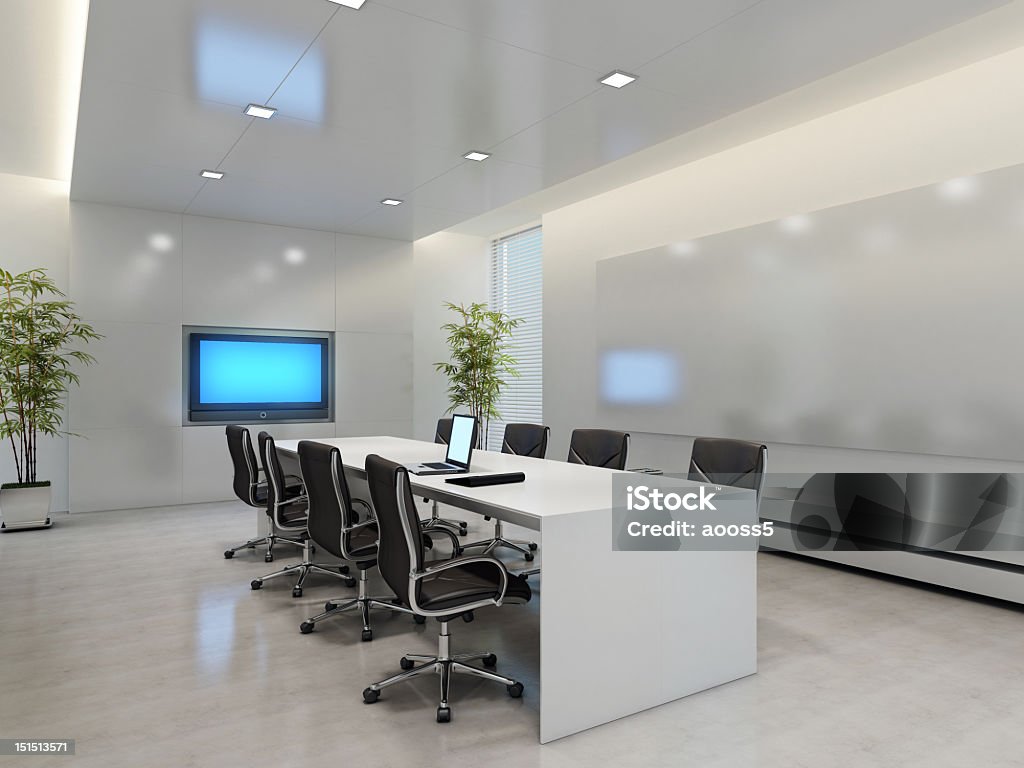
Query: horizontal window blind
[516, 289]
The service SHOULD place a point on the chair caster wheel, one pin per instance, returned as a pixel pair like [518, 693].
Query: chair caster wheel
[228, 554]
[515, 691]
[367, 635]
[419, 619]
[528, 557]
[468, 616]
[370, 696]
[306, 627]
[268, 558]
[256, 583]
[297, 592]
[533, 546]
[444, 714]
[490, 660]
[343, 569]
[406, 664]
[350, 582]
[462, 532]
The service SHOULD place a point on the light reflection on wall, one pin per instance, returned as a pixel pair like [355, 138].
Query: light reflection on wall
[237, 65]
[639, 377]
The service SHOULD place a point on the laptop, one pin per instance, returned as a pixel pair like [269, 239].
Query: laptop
[460, 450]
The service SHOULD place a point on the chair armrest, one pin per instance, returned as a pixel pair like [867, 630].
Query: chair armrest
[456, 546]
[415, 576]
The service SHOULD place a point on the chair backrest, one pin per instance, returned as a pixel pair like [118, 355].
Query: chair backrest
[330, 505]
[272, 471]
[722, 461]
[526, 440]
[599, 448]
[243, 459]
[400, 544]
[443, 432]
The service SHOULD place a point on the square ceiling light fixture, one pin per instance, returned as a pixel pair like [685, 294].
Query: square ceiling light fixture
[618, 79]
[215, 175]
[357, 4]
[390, 201]
[260, 111]
[476, 156]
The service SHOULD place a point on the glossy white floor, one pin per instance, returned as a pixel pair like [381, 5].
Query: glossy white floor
[129, 632]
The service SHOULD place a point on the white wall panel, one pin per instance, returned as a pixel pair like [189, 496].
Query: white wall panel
[374, 285]
[125, 468]
[135, 381]
[447, 267]
[140, 275]
[206, 465]
[126, 263]
[373, 377]
[34, 233]
[256, 275]
[34, 226]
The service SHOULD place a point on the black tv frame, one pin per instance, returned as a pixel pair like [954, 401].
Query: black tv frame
[251, 413]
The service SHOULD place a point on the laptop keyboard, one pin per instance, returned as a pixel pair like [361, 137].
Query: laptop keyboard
[436, 465]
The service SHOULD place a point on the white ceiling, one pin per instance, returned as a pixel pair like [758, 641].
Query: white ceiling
[384, 101]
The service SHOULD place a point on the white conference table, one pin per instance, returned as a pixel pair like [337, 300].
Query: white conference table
[620, 632]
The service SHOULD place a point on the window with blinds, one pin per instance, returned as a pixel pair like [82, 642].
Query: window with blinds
[516, 289]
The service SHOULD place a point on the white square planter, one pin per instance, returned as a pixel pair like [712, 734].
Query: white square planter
[23, 508]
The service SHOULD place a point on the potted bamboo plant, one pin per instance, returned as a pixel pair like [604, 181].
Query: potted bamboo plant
[40, 339]
[478, 340]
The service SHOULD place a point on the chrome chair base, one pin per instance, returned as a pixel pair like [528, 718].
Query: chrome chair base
[363, 603]
[525, 548]
[269, 540]
[443, 665]
[461, 527]
[303, 569]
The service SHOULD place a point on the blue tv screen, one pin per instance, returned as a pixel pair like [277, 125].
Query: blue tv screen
[236, 375]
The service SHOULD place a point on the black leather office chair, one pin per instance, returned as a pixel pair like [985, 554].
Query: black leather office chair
[289, 513]
[737, 463]
[252, 489]
[599, 448]
[519, 440]
[334, 527]
[443, 590]
[443, 436]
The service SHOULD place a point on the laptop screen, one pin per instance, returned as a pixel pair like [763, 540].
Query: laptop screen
[460, 447]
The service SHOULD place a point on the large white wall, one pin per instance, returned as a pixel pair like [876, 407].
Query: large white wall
[447, 267]
[964, 122]
[140, 275]
[34, 233]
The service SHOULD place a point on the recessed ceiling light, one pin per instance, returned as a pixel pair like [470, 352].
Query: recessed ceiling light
[258, 110]
[617, 79]
[357, 4]
[216, 175]
[390, 201]
[478, 156]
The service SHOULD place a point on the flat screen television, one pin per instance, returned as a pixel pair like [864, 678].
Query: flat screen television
[252, 378]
